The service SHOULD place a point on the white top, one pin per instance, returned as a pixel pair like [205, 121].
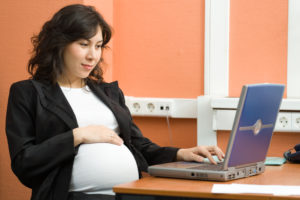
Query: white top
[98, 167]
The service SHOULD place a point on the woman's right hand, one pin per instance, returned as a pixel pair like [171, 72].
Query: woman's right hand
[95, 134]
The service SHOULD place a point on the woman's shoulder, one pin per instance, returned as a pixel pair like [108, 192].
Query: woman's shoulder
[22, 92]
[30, 84]
[22, 87]
[23, 84]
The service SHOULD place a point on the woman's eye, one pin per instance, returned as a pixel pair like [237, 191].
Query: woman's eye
[98, 46]
[84, 44]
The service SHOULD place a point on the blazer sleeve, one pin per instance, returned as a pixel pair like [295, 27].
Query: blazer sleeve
[32, 161]
[153, 153]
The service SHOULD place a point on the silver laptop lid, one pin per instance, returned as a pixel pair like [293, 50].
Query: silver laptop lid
[253, 124]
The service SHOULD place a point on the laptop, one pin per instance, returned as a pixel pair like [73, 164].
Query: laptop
[248, 144]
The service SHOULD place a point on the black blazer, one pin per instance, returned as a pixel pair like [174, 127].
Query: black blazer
[39, 126]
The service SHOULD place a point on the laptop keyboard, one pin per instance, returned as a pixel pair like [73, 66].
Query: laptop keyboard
[209, 166]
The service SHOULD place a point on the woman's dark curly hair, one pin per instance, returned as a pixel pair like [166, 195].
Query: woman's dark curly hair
[69, 24]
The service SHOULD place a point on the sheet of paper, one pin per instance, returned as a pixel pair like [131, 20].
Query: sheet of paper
[258, 189]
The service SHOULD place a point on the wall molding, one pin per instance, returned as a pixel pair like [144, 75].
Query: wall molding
[293, 60]
[216, 66]
[216, 58]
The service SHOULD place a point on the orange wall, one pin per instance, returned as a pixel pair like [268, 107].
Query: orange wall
[258, 43]
[182, 132]
[159, 47]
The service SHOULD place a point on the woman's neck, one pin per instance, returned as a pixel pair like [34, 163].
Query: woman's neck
[78, 83]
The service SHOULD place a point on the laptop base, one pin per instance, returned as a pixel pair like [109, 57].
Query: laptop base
[168, 170]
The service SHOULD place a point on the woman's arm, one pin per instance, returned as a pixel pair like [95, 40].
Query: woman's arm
[32, 161]
[155, 154]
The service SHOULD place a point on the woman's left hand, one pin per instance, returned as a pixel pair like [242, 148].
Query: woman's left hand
[199, 153]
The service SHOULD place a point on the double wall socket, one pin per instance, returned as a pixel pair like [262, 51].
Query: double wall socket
[288, 122]
[159, 107]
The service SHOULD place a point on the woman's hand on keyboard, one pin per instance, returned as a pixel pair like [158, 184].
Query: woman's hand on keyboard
[198, 154]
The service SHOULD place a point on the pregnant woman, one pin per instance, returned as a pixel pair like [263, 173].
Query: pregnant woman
[70, 134]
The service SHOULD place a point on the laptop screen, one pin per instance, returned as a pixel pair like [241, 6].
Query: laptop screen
[254, 124]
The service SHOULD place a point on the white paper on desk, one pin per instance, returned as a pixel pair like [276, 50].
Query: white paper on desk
[252, 188]
[257, 189]
[224, 188]
[287, 190]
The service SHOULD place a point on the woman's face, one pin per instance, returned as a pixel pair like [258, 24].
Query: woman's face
[80, 57]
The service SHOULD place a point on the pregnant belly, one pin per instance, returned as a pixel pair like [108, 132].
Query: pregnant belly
[100, 166]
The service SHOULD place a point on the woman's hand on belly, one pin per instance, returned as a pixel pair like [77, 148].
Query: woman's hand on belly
[95, 134]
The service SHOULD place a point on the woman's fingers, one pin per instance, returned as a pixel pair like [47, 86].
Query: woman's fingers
[113, 138]
[99, 134]
[214, 150]
[199, 153]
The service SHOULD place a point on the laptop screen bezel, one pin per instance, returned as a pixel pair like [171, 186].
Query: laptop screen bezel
[235, 126]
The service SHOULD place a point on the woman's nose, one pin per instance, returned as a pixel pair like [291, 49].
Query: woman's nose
[92, 54]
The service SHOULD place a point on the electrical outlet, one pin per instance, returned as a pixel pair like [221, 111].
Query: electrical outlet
[150, 106]
[136, 106]
[284, 121]
[296, 121]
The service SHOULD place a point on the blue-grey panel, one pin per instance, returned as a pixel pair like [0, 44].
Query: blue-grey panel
[260, 109]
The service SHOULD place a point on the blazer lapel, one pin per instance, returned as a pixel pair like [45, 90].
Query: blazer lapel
[109, 94]
[53, 99]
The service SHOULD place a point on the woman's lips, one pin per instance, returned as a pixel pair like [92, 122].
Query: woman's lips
[87, 67]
